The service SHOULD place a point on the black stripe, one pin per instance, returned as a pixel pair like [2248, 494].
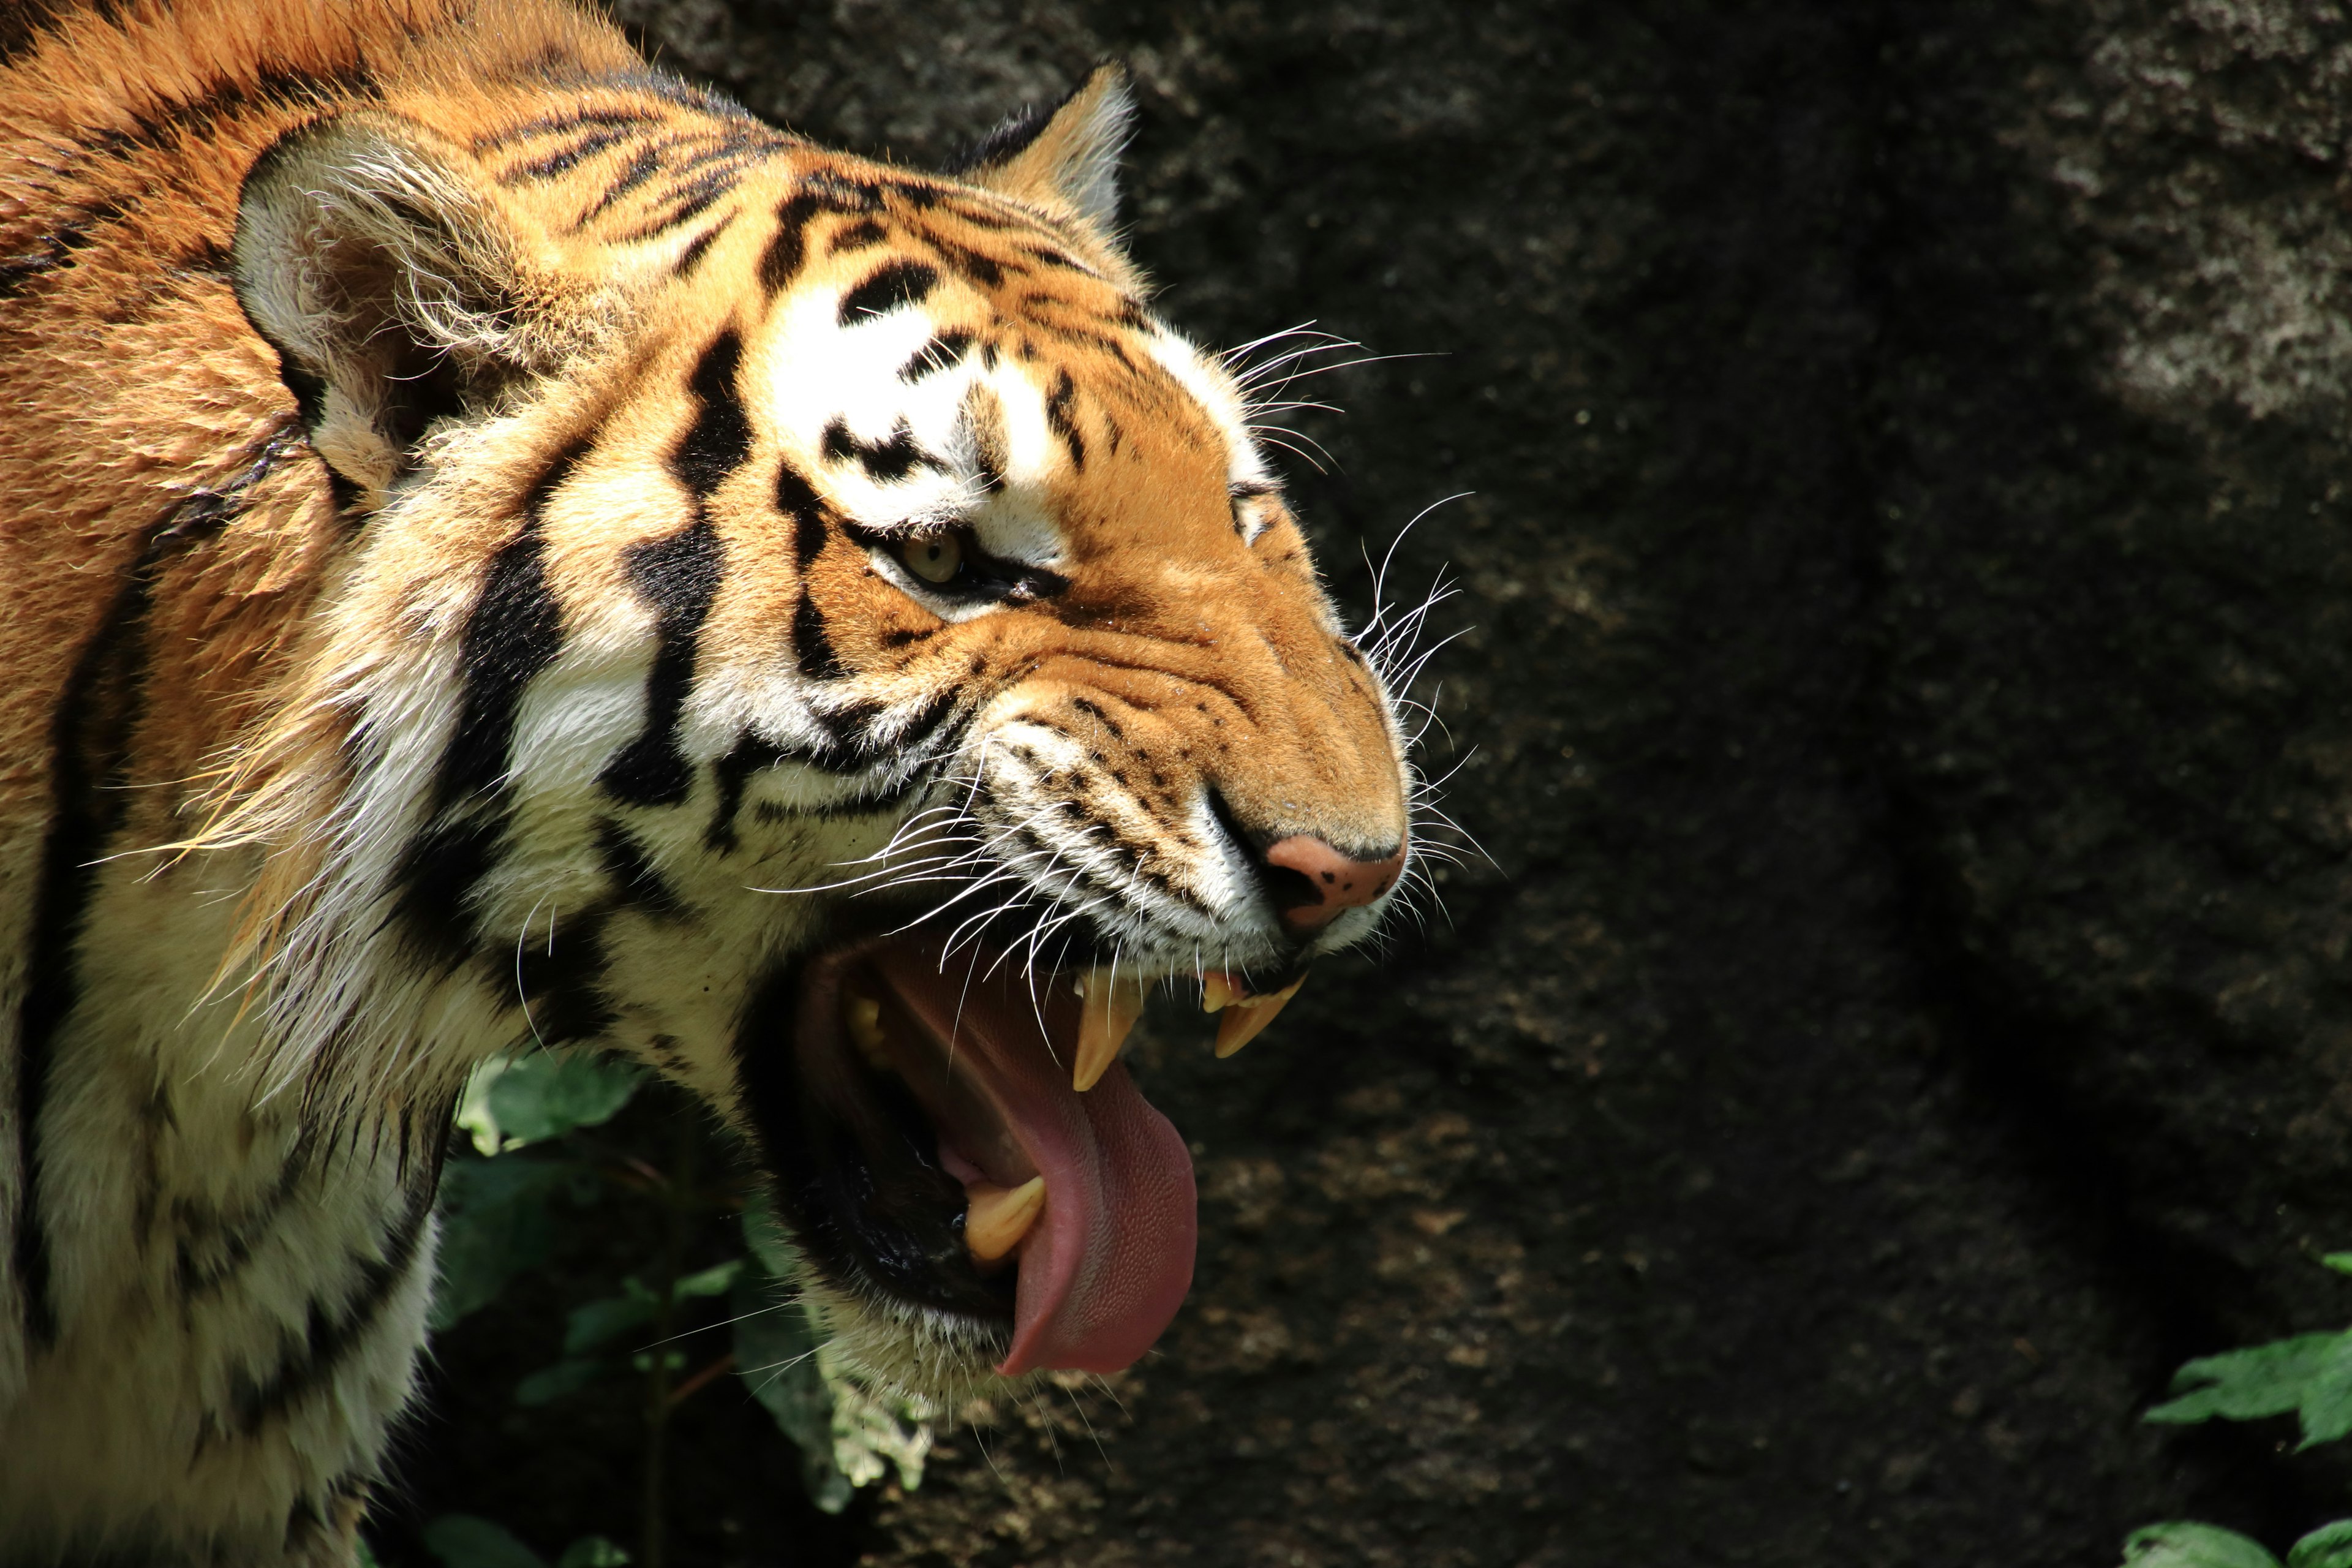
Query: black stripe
[860, 236]
[920, 728]
[208, 512]
[564, 159]
[89, 741]
[70, 232]
[439, 869]
[636, 173]
[635, 881]
[886, 460]
[1058, 405]
[984, 270]
[798, 500]
[749, 755]
[680, 577]
[818, 660]
[559, 122]
[697, 248]
[196, 1278]
[562, 981]
[331, 1332]
[890, 286]
[686, 203]
[719, 440]
[514, 632]
[789, 249]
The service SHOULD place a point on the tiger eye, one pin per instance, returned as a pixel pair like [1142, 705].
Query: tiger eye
[935, 558]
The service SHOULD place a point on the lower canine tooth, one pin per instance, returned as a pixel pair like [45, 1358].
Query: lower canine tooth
[1245, 1019]
[1108, 1009]
[996, 1218]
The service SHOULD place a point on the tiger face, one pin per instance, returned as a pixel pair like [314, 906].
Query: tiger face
[812, 629]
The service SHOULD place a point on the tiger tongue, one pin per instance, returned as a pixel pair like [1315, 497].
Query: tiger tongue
[1111, 1256]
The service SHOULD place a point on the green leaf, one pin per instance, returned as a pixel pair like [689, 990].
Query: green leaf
[593, 1552]
[544, 1094]
[716, 1280]
[461, 1541]
[494, 1223]
[2184, 1545]
[591, 1326]
[549, 1383]
[2244, 1386]
[363, 1555]
[2329, 1546]
[2326, 1408]
[2339, 1261]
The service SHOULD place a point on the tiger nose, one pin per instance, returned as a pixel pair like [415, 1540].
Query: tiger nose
[1333, 882]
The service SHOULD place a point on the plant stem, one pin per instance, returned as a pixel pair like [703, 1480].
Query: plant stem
[676, 1199]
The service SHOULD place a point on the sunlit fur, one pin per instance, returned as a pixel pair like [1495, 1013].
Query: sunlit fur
[449, 502]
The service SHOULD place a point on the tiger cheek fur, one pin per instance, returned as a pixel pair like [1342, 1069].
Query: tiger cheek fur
[537, 555]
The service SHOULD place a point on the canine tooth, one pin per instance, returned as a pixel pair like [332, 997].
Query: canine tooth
[1246, 1017]
[996, 1218]
[1107, 1013]
[863, 1014]
[1218, 992]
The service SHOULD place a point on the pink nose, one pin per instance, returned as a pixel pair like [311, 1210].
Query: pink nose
[1340, 882]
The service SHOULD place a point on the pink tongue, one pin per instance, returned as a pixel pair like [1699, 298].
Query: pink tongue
[1111, 1256]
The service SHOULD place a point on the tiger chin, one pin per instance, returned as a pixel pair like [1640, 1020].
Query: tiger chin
[505, 548]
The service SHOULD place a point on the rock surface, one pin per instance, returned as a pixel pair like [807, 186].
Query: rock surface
[1901, 683]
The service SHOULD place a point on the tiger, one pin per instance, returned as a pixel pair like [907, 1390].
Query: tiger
[510, 550]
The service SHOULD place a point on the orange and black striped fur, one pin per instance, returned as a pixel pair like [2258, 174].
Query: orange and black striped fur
[473, 512]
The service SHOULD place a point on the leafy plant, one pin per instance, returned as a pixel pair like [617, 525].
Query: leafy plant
[534, 1172]
[2309, 1376]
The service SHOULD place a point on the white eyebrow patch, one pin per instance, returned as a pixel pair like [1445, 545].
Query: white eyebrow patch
[1215, 392]
[898, 454]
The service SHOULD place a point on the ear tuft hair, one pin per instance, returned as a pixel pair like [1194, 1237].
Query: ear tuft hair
[391, 285]
[1066, 157]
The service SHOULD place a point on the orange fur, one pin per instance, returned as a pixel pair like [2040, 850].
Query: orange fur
[319, 323]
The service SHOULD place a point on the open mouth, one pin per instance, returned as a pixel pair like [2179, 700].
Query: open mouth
[959, 1135]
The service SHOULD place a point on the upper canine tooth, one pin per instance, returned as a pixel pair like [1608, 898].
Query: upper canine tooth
[1107, 1012]
[995, 1218]
[1218, 992]
[863, 1014]
[1249, 1014]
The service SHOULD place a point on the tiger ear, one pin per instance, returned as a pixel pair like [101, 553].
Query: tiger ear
[393, 289]
[1066, 157]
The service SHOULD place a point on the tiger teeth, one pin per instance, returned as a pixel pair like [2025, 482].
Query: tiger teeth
[1246, 1017]
[1218, 993]
[863, 1016]
[996, 1218]
[1107, 1013]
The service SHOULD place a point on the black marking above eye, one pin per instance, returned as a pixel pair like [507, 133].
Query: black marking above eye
[943, 352]
[893, 284]
[886, 460]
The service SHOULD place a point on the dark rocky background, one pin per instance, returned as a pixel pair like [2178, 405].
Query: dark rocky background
[1904, 613]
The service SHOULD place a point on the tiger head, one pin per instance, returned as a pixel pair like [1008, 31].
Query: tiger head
[808, 626]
